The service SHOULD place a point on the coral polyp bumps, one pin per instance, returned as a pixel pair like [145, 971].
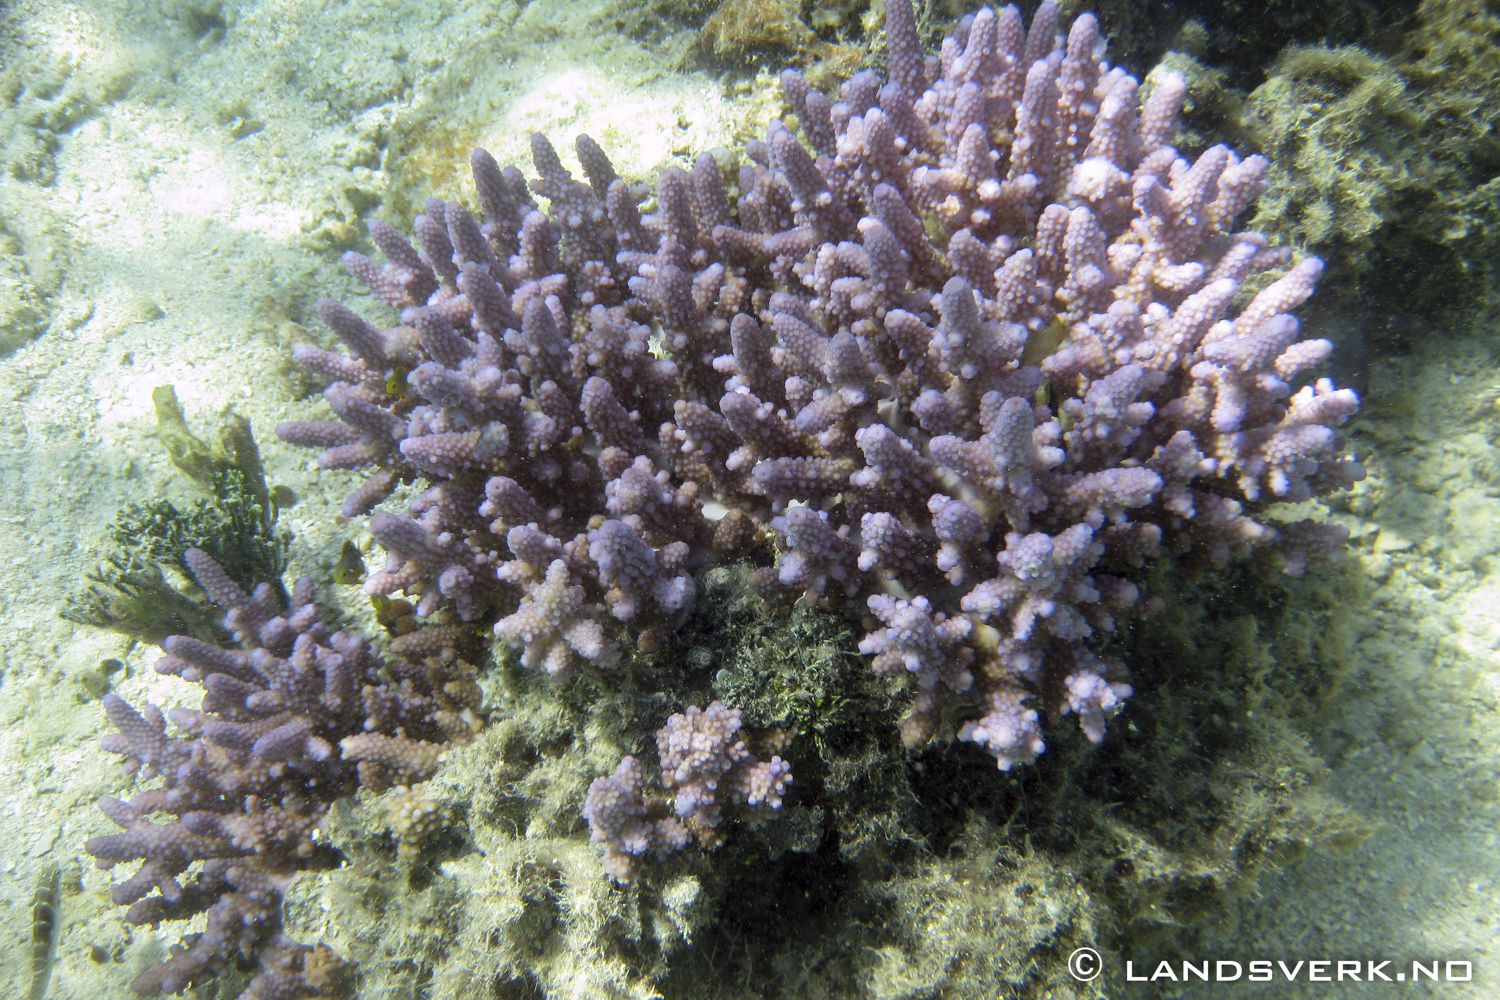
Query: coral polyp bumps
[973, 351]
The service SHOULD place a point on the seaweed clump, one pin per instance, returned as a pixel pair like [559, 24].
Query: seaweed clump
[745, 33]
[1385, 158]
[1336, 120]
[143, 589]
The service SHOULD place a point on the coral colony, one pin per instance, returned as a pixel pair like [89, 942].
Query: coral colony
[972, 351]
[293, 719]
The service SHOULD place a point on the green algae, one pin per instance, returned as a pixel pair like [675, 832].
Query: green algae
[143, 588]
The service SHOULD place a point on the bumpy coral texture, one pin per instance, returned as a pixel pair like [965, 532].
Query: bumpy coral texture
[975, 350]
[707, 768]
[293, 719]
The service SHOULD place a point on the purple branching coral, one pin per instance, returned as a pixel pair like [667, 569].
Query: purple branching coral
[707, 768]
[294, 718]
[976, 350]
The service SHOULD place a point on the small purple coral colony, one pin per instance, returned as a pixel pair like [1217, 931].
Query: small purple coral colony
[295, 718]
[706, 764]
[973, 351]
